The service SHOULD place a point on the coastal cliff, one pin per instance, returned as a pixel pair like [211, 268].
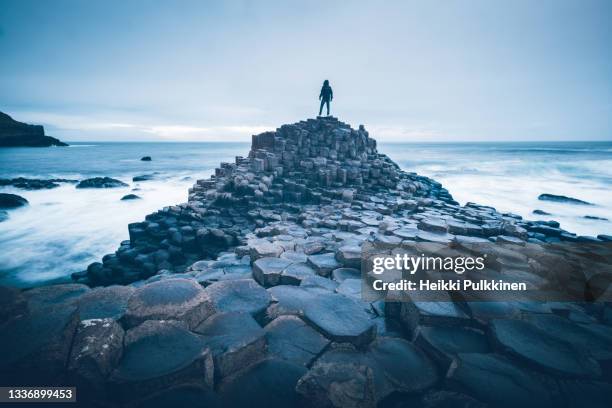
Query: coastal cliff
[249, 294]
[18, 134]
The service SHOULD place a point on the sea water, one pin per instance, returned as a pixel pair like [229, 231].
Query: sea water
[64, 229]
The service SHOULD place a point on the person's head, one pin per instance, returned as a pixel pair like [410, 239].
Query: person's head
[326, 83]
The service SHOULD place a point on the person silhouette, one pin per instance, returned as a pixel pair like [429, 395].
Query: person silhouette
[326, 96]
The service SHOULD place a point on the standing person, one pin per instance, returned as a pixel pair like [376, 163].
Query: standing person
[326, 96]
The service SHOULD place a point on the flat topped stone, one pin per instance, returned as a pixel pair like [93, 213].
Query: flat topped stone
[235, 340]
[295, 273]
[341, 319]
[497, 382]
[290, 338]
[105, 302]
[444, 343]
[176, 299]
[340, 274]
[542, 349]
[160, 354]
[324, 264]
[270, 383]
[267, 271]
[241, 295]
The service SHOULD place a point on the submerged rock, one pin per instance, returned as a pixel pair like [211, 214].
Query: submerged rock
[146, 158]
[130, 197]
[34, 184]
[100, 182]
[9, 201]
[562, 199]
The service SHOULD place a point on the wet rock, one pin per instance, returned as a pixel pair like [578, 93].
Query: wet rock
[105, 302]
[497, 382]
[34, 348]
[270, 383]
[540, 212]
[289, 338]
[341, 274]
[562, 199]
[96, 350]
[348, 323]
[242, 295]
[130, 197]
[295, 273]
[146, 158]
[351, 288]
[3, 215]
[143, 177]
[235, 340]
[160, 355]
[542, 349]
[101, 182]
[179, 299]
[349, 256]
[34, 184]
[9, 201]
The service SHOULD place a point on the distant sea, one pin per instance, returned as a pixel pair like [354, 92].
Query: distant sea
[65, 229]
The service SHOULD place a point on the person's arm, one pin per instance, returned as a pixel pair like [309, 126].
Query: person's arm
[321, 94]
[331, 94]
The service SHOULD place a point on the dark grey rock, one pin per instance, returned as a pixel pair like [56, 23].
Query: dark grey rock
[445, 343]
[497, 382]
[179, 299]
[55, 295]
[146, 158]
[105, 302]
[324, 264]
[130, 197]
[160, 355]
[241, 295]
[542, 349]
[289, 338]
[101, 182]
[235, 340]
[267, 271]
[9, 201]
[562, 199]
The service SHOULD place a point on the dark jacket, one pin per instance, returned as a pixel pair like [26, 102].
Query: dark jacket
[326, 93]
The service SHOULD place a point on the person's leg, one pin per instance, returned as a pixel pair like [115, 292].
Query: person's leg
[321, 107]
[327, 102]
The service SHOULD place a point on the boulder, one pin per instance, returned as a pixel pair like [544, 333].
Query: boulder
[562, 199]
[177, 299]
[130, 197]
[9, 201]
[146, 158]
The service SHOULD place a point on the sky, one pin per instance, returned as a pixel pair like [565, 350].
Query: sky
[438, 70]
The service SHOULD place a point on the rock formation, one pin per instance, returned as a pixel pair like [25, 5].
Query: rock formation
[249, 294]
[18, 134]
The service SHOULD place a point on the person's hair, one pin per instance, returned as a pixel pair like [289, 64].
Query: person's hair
[326, 83]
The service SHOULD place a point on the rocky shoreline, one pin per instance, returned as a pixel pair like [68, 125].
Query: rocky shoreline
[250, 294]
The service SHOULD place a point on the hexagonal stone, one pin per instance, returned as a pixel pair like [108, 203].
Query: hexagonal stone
[294, 256]
[444, 343]
[290, 300]
[160, 355]
[341, 274]
[295, 273]
[596, 344]
[267, 271]
[235, 340]
[178, 299]
[396, 366]
[270, 383]
[349, 256]
[34, 348]
[542, 349]
[319, 282]
[289, 338]
[324, 264]
[433, 225]
[497, 382]
[105, 302]
[45, 296]
[96, 350]
[350, 288]
[263, 249]
[341, 319]
[437, 237]
[242, 295]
